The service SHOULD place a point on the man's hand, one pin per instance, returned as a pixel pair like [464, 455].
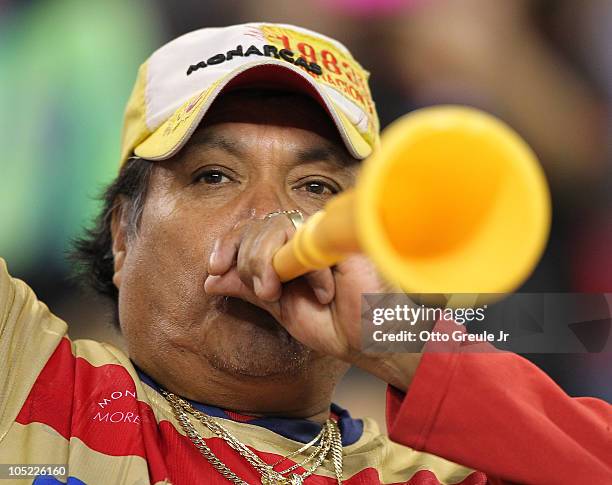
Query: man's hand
[321, 309]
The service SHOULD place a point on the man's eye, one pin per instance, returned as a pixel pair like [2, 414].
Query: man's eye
[319, 188]
[213, 177]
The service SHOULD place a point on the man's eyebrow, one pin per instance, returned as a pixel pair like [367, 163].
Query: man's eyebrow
[214, 140]
[328, 153]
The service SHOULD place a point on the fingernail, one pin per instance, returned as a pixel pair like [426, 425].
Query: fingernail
[257, 285]
[212, 258]
[321, 295]
[207, 283]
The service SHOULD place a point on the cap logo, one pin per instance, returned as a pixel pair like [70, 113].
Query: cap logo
[268, 51]
[339, 70]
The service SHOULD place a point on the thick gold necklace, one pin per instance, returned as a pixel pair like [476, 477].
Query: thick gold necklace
[327, 442]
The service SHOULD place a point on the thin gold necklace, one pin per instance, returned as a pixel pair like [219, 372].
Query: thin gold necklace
[329, 443]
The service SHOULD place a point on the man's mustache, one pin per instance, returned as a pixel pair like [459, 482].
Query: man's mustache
[243, 310]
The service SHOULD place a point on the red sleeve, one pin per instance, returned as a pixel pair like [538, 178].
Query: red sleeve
[500, 414]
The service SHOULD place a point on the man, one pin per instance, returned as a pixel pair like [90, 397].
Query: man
[230, 135]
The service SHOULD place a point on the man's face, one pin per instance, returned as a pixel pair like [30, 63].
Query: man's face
[251, 156]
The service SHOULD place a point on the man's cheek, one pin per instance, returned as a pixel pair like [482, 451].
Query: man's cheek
[168, 240]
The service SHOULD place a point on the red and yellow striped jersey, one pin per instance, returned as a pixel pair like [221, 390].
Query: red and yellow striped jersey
[85, 405]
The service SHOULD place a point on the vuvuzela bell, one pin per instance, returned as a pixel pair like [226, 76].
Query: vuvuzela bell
[454, 201]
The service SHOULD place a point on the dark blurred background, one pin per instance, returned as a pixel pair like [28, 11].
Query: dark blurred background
[544, 66]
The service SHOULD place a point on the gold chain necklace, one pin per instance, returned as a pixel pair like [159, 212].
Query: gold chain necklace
[329, 443]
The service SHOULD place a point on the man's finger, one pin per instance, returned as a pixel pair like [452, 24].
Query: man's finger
[254, 261]
[225, 249]
[230, 284]
[323, 284]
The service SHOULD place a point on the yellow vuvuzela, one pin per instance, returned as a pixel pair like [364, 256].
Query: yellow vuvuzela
[453, 201]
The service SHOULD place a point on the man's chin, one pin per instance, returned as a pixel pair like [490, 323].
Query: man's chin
[253, 344]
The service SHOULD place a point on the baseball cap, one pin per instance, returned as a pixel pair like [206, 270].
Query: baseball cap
[179, 82]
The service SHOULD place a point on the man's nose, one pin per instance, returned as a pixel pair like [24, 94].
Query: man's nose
[263, 198]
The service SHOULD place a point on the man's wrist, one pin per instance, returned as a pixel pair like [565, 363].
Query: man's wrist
[396, 369]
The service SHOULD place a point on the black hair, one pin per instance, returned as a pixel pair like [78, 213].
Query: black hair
[92, 253]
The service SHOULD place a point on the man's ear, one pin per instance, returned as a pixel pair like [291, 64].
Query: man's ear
[119, 229]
